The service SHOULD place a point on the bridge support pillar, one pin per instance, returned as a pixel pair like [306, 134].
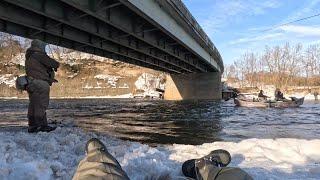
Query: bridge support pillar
[193, 86]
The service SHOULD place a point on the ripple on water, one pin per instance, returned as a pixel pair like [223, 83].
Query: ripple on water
[185, 122]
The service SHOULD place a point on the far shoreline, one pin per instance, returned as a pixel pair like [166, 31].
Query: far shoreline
[110, 97]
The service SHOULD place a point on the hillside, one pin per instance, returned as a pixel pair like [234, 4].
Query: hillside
[85, 75]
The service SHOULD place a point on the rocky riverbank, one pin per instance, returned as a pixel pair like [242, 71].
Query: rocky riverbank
[82, 76]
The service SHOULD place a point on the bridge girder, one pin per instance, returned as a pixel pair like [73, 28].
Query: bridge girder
[102, 27]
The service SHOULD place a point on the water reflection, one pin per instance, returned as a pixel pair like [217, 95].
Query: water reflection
[154, 121]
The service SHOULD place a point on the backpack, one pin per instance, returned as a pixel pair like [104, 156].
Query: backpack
[21, 83]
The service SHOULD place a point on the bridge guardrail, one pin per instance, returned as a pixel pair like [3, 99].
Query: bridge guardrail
[185, 13]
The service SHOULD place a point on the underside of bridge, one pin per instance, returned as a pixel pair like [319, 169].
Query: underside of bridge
[115, 29]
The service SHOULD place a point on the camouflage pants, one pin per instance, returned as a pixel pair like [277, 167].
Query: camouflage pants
[99, 164]
[102, 165]
[38, 91]
[208, 171]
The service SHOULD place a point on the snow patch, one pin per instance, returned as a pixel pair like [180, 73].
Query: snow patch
[8, 79]
[56, 155]
[74, 58]
[72, 75]
[308, 96]
[124, 86]
[87, 86]
[19, 59]
[111, 80]
[149, 82]
[98, 97]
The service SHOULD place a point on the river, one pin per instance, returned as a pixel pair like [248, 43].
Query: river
[168, 122]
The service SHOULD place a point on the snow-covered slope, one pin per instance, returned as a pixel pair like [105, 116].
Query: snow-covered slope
[56, 155]
[85, 75]
[73, 56]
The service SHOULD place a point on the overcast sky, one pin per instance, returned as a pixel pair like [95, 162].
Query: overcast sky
[238, 26]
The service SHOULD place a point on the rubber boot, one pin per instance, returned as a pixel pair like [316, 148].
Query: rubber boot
[219, 158]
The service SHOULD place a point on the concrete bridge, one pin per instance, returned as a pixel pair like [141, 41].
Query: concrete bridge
[157, 34]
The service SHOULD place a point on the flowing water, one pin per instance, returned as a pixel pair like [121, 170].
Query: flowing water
[166, 122]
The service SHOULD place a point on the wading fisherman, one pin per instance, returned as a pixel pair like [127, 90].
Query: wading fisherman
[40, 70]
[100, 164]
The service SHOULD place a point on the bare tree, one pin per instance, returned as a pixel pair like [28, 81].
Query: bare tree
[10, 46]
[281, 66]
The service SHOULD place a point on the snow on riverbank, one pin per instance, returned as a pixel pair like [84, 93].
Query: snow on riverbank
[56, 156]
[308, 96]
[123, 96]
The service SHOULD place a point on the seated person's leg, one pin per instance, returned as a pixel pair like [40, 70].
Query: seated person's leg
[214, 160]
[99, 164]
[213, 167]
[232, 173]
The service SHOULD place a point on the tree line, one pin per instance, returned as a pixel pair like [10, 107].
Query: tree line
[281, 66]
[11, 45]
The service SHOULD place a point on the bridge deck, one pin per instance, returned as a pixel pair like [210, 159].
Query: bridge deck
[108, 28]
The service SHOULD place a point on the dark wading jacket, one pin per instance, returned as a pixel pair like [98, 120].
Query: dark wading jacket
[40, 66]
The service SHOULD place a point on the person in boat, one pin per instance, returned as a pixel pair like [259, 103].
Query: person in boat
[262, 96]
[279, 95]
[100, 164]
